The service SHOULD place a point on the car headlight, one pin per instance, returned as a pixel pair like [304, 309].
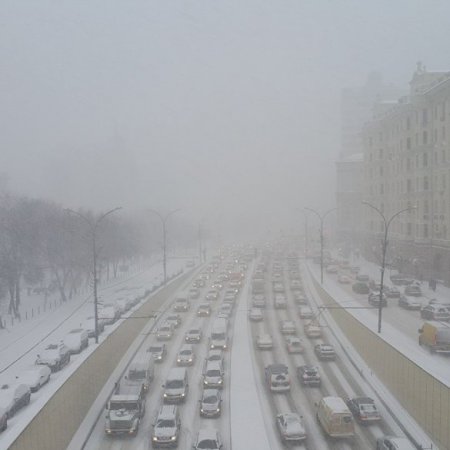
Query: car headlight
[218, 410]
[220, 381]
[205, 382]
[202, 410]
[183, 394]
[108, 430]
[178, 360]
[155, 438]
[173, 438]
[165, 395]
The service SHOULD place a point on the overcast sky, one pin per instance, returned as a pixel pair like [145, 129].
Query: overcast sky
[224, 108]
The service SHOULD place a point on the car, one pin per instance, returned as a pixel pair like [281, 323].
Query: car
[204, 310]
[392, 291]
[360, 287]
[309, 375]
[167, 427]
[394, 443]
[208, 439]
[34, 377]
[230, 295]
[294, 345]
[291, 428]
[374, 299]
[435, 311]
[89, 325]
[212, 295]
[194, 293]
[211, 403]
[344, 279]
[213, 374]
[305, 312]
[362, 277]
[312, 330]
[258, 301]
[280, 301]
[408, 302]
[181, 304]
[277, 377]
[278, 287]
[374, 286]
[255, 315]
[413, 290]
[76, 340]
[174, 319]
[186, 355]
[199, 283]
[217, 285]
[355, 269]
[109, 313]
[287, 327]
[363, 409]
[331, 268]
[194, 335]
[264, 342]
[14, 396]
[158, 351]
[55, 356]
[299, 298]
[165, 332]
[325, 351]
[214, 355]
[295, 284]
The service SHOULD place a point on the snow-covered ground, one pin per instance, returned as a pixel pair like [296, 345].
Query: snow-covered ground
[21, 342]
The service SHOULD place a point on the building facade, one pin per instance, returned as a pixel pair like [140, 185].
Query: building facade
[407, 165]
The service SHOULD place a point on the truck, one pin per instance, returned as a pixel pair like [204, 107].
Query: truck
[436, 336]
[257, 286]
[125, 409]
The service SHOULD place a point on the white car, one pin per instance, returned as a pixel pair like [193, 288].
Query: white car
[280, 301]
[291, 427]
[34, 377]
[208, 439]
[193, 335]
[287, 327]
[13, 397]
[77, 340]
[55, 356]
[294, 345]
[255, 315]
[264, 342]
[186, 356]
[305, 312]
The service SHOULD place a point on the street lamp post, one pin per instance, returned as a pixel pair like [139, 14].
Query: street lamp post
[163, 222]
[321, 219]
[384, 244]
[93, 225]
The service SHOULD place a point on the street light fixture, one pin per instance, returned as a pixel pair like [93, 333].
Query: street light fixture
[321, 218]
[163, 222]
[387, 223]
[93, 225]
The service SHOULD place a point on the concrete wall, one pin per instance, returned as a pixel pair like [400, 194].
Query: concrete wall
[56, 423]
[426, 399]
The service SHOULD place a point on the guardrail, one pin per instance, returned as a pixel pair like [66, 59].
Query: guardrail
[425, 398]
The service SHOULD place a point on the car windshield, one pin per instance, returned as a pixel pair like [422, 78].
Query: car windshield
[278, 369]
[136, 374]
[115, 406]
[367, 408]
[310, 372]
[166, 423]
[218, 336]
[174, 384]
[155, 349]
[213, 373]
[210, 399]
[208, 444]
[52, 347]
[186, 352]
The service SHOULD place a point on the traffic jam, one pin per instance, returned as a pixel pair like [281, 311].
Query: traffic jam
[176, 390]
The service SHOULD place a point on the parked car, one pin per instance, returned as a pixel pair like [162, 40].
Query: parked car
[413, 290]
[89, 325]
[435, 336]
[360, 288]
[408, 302]
[208, 439]
[214, 355]
[309, 375]
[264, 342]
[291, 427]
[211, 403]
[287, 327]
[374, 299]
[13, 397]
[392, 292]
[158, 351]
[34, 377]
[77, 340]
[364, 409]
[294, 345]
[325, 351]
[55, 356]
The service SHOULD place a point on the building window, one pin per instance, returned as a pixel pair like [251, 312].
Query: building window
[408, 123]
[381, 188]
[424, 116]
[426, 208]
[408, 143]
[425, 137]
[380, 153]
[425, 159]
[425, 230]
[425, 183]
[409, 228]
[408, 185]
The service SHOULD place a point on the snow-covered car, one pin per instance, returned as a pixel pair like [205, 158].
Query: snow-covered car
[277, 377]
[344, 279]
[364, 409]
[294, 345]
[413, 290]
[394, 443]
[255, 315]
[34, 377]
[194, 293]
[278, 287]
[309, 375]
[374, 299]
[305, 312]
[181, 304]
[325, 351]
[89, 325]
[299, 298]
[186, 356]
[158, 351]
[174, 319]
[208, 439]
[109, 312]
[14, 396]
[291, 427]
[194, 335]
[77, 340]
[408, 302]
[214, 355]
[259, 301]
[211, 403]
[204, 310]
[165, 332]
[55, 356]
[312, 330]
[280, 301]
[213, 375]
[264, 341]
[391, 292]
[287, 327]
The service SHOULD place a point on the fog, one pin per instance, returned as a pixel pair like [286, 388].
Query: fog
[228, 110]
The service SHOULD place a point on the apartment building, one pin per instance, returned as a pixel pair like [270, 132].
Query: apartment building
[406, 164]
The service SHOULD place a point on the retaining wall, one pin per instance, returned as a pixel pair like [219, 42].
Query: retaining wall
[425, 398]
[53, 427]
